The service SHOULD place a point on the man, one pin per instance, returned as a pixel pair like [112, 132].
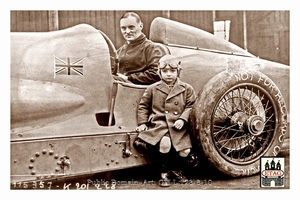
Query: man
[138, 57]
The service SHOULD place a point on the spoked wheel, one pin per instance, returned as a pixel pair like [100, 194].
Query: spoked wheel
[239, 117]
[240, 130]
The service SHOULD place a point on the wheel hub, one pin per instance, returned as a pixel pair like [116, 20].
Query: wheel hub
[255, 125]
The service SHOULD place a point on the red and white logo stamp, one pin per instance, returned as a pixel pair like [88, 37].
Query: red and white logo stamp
[272, 172]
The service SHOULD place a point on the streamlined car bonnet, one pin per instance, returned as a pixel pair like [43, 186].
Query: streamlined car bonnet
[171, 32]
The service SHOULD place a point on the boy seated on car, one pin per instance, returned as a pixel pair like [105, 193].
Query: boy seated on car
[163, 114]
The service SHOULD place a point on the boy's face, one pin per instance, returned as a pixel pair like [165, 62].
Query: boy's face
[169, 74]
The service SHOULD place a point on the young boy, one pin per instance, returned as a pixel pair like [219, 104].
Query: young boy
[163, 114]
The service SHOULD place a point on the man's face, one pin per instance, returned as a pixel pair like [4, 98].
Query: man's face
[130, 28]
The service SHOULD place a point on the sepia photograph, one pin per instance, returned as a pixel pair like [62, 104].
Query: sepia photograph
[137, 99]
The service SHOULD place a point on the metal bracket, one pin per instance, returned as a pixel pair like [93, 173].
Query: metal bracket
[127, 149]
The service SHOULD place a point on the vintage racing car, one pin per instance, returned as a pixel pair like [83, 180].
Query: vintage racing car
[70, 118]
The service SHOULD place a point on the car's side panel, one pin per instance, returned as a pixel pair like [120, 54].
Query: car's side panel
[37, 160]
[44, 95]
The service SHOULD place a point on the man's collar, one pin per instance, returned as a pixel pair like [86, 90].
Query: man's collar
[138, 40]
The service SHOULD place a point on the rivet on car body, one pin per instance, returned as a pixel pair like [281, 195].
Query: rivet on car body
[51, 152]
[33, 172]
[32, 159]
[30, 166]
[56, 156]
[44, 151]
[37, 154]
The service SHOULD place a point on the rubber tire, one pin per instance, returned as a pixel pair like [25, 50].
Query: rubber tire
[201, 119]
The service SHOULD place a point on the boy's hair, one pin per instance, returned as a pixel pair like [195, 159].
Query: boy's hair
[169, 60]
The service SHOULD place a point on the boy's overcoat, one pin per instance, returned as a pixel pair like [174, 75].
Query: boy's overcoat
[160, 107]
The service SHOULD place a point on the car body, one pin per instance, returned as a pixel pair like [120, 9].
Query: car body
[70, 118]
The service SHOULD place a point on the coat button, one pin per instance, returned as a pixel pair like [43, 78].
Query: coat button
[175, 113]
[176, 103]
[166, 112]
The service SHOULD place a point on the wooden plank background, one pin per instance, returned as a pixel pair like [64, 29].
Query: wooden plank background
[268, 32]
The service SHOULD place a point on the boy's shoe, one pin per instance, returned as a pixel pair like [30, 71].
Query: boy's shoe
[179, 177]
[165, 181]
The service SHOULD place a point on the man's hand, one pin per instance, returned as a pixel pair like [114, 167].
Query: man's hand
[178, 124]
[142, 127]
[125, 78]
[120, 77]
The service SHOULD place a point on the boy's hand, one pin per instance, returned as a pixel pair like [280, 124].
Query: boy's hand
[142, 127]
[178, 124]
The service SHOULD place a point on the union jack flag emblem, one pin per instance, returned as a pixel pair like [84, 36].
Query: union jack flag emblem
[68, 67]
